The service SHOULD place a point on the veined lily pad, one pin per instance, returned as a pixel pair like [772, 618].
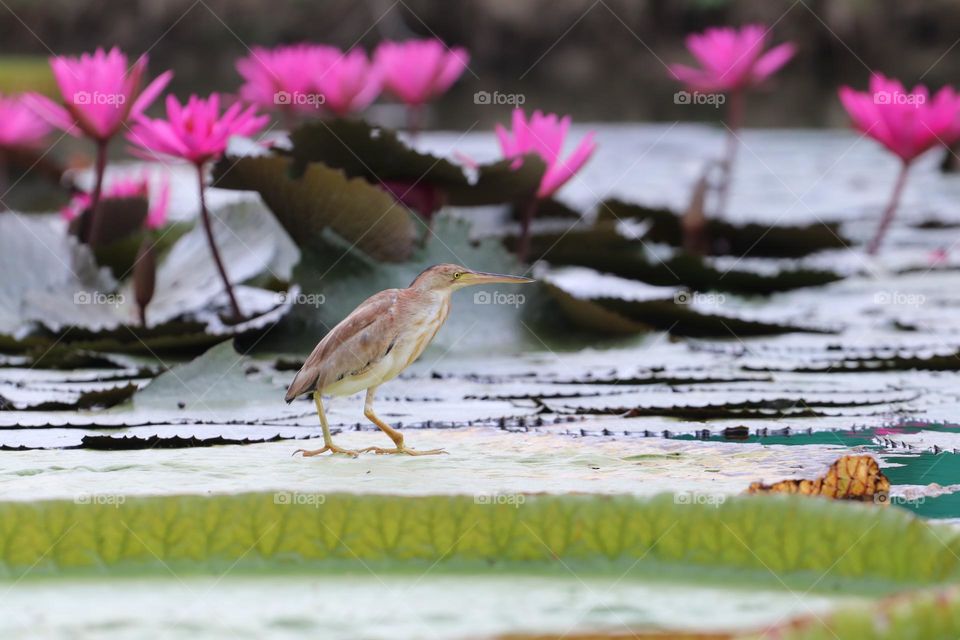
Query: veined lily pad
[378, 155]
[605, 247]
[610, 305]
[322, 198]
[726, 238]
[753, 540]
[60, 298]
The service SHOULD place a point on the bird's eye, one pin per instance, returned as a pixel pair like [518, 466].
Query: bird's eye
[457, 275]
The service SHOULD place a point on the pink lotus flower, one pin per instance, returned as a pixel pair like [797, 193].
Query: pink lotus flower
[417, 71]
[305, 78]
[20, 126]
[731, 59]
[127, 187]
[348, 82]
[908, 123]
[100, 93]
[544, 135]
[197, 131]
[274, 76]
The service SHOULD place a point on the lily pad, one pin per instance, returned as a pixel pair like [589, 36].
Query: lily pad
[360, 214]
[609, 305]
[378, 155]
[62, 299]
[606, 246]
[726, 238]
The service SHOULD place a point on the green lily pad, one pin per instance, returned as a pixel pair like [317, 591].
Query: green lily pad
[602, 246]
[377, 154]
[800, 542]
[361, 215]
[609, 305]
[726, 238]
[367, 151]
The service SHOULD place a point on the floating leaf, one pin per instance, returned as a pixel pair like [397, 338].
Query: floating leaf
[610, 305]
[362, 215]
[606, 246]
[367, 151]
[852, 477]
[726, 238]
[591, 535]
[61, 299]
[378, 155]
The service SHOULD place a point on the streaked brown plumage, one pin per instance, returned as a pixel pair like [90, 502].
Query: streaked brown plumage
[378, 340]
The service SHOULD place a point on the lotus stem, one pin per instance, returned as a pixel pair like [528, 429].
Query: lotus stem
[208, 228]
[414, 119]
[734, 123]
[890, 211]
[523, 247]
[95, 221]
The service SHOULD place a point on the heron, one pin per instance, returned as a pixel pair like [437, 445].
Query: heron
[379, 339]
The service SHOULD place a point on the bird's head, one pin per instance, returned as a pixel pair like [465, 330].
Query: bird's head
[451, 277]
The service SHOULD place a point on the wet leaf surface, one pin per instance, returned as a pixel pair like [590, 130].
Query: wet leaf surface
[360, 214]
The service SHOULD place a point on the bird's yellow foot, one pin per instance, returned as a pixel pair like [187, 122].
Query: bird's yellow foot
[332, 448]
[404, 450]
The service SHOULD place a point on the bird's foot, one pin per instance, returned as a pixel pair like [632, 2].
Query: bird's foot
[403, 450]
[332, 448]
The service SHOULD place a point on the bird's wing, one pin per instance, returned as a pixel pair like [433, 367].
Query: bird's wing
[358, 341]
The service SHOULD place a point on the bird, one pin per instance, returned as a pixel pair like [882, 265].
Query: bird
[383, 336]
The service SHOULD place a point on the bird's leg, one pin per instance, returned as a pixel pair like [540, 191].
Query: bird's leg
[395, 435]
[327, 440]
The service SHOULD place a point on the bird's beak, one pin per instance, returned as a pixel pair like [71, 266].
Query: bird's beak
[482, 277]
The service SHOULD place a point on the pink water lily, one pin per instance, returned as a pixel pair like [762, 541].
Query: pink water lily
[20, 126]
[907, 123]
[198, 132]
[308, 79]
[127, 187]
[348, 82]
[543, 135]
[100, 93]
[731, 59]
[418, 71]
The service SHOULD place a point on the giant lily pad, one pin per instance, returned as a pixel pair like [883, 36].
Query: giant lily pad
[378, 155]
[322, 198]
[60, 297]
[726, 238]
[609, 305]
